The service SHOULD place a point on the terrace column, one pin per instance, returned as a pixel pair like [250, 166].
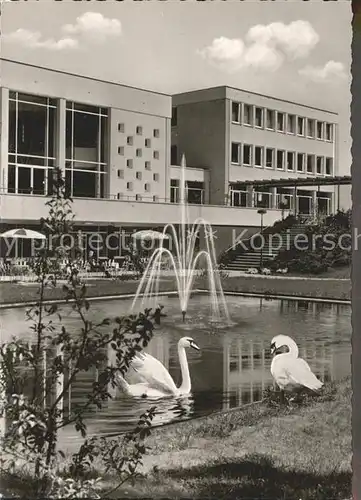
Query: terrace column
[273, 197]
[295, 201]
[61, 131]
[250, 197]
[314, 204]
[4, 135]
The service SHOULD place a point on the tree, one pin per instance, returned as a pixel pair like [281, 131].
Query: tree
[33, 390]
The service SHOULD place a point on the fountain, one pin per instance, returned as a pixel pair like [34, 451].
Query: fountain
[184, 263]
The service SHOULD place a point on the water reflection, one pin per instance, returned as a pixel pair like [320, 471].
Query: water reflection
[233, 367]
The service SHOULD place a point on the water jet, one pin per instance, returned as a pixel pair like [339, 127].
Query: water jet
[184, 262]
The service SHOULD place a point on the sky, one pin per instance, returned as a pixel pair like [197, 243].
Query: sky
[299, 51]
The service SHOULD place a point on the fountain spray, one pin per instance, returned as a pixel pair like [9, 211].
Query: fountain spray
[184, 261]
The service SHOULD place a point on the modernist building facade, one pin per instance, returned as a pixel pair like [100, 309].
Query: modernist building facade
[243, 136]
[120, 154]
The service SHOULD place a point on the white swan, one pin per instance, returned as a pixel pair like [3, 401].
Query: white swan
[288, 370]
[156, 380]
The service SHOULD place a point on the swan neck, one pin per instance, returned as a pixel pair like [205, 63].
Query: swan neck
[185, 387]
[293, 350]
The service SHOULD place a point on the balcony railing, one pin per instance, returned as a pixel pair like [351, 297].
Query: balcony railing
[304, 203]
[236, 198]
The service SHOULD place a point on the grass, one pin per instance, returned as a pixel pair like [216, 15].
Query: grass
[295, 286]
[262, 451]
[337, 287]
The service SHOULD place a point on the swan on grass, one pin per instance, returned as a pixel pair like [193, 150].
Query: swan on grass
[156, 381]
[288, 370]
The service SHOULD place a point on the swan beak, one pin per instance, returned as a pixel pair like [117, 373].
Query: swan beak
[194, 345]
[273, 349]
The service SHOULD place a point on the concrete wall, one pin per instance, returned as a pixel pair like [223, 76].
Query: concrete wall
[47, 82]
[118, 157]
[29, 209]
[201, 134]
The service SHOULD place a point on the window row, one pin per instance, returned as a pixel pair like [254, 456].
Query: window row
[130, 186]
[278, 159]
[138, 197]
[130, 164]
[138, 151]
[79, 182]
[139, 130]
[269, 119]
[138, 175]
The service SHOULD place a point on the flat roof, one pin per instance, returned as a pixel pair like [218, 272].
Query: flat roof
[62, 72]
[221, 87]
[299, 181]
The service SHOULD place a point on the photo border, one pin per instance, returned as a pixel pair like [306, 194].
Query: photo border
[356, 262]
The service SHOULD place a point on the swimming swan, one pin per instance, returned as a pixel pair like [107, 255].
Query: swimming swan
[287, 369]
[156, 380]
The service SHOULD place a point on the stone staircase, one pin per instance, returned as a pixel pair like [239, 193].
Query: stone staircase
[244, 259]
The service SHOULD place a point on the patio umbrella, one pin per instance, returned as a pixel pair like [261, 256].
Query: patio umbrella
[21, 233]
[149, 234]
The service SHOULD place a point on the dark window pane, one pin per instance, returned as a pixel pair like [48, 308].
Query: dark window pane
[174, 119]
[29, 160]
[102, 186]
[50, 181]
[31, 129]
[86, 108]
[32, 98]
[174, 155]
[85, 137]
[68, 182]
[104, 140]
[84, 184]
[12, 126]
[39, 181]
[11, 179]
[68, 134]
[51, 132]
[235, 153]
[24, 183]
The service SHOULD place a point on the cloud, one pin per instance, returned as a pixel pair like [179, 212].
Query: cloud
[332, 71]
[295, 40]
[95, 26]
[34, 40]
[264, 47]
[91, 25]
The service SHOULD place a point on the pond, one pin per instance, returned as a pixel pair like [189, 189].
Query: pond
[233, 366]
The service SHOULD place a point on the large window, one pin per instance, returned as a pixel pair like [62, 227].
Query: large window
[290, 161]
[270, 155]
[258, 116]
[247, 114]
[86, 150]
[31, 143]
[258, 156]
[280, 122]
[300, 162]
[235, 153]
[329, 130]
[236, 112]
[270, 119]
[247, 154]
[280, 160]
[291, 124]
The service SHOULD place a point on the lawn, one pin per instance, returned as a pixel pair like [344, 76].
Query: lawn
[262, 451]
[303, 452]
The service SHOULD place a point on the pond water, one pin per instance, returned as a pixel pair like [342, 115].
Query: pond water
[233, 366]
